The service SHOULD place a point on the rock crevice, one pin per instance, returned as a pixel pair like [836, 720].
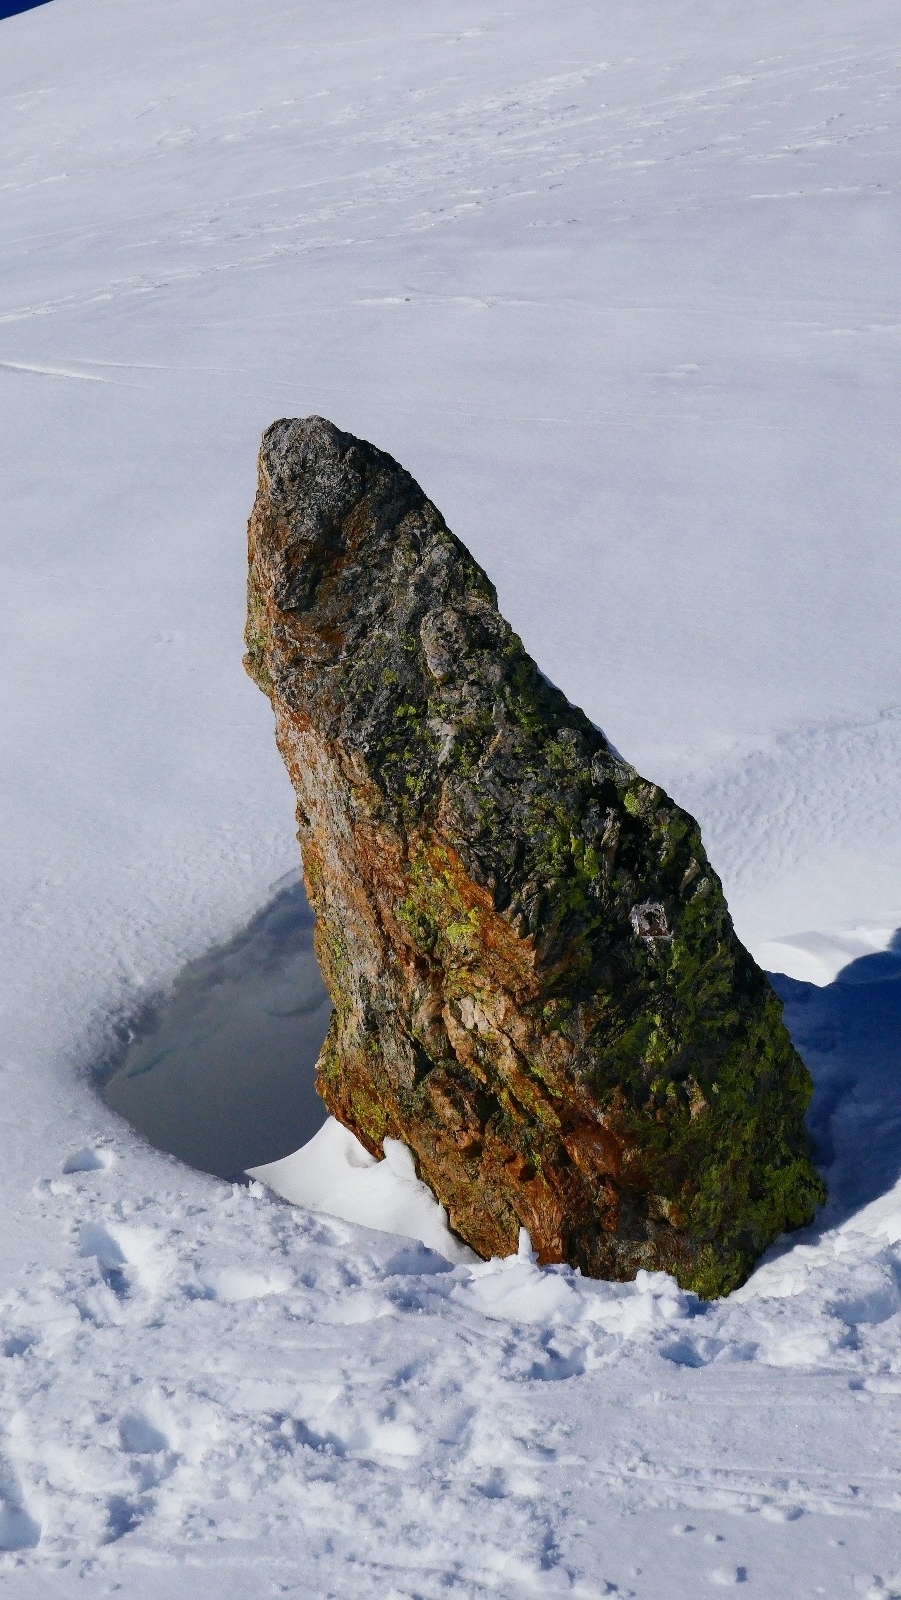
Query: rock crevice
[535, 979]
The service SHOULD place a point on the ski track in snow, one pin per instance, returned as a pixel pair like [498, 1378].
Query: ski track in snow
[620, 286]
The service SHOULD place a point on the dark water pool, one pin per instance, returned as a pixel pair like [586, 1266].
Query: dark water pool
[220, 1073]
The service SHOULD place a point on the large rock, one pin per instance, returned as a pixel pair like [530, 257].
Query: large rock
[535, 979]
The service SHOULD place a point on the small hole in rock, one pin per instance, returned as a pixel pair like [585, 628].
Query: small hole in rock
[221, 1071]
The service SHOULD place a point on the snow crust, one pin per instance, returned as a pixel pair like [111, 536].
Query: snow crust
[619, 284]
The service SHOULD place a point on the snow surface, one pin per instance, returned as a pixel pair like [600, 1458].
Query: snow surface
[619, 284]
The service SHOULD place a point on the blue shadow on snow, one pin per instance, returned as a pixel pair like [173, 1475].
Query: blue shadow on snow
[849, 1034]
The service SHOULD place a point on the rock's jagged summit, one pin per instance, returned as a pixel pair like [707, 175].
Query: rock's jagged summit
[535, 979]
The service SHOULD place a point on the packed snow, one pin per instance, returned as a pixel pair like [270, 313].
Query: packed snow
[619, 285]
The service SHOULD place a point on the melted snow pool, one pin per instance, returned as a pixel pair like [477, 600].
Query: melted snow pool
[221, 1072]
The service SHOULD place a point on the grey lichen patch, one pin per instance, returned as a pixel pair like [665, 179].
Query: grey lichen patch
[535, 977]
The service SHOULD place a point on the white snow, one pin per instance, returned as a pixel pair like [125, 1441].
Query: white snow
[335, 1174]
[619, 284]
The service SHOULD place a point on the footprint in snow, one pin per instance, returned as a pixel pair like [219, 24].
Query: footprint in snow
[89, 1158]
[18, 1531]
[236, 1283]
[140, 1437]
[128, 1257]
[18, 1344]
[557, 1364]
[122, 1517]
[97, 1241]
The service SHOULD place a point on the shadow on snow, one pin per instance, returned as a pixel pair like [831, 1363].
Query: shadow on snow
[848, 1033]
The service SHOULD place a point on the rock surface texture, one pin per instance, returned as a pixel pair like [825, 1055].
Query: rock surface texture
[535, 979]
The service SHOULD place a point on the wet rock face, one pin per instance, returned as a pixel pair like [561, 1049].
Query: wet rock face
[535, 980]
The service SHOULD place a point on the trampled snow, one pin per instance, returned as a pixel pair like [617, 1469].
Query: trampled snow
[619, 284]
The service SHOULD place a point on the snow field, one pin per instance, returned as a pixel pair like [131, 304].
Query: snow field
[310, 1389]
[619, 285]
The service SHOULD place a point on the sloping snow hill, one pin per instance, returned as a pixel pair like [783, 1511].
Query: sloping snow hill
[619, 284]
